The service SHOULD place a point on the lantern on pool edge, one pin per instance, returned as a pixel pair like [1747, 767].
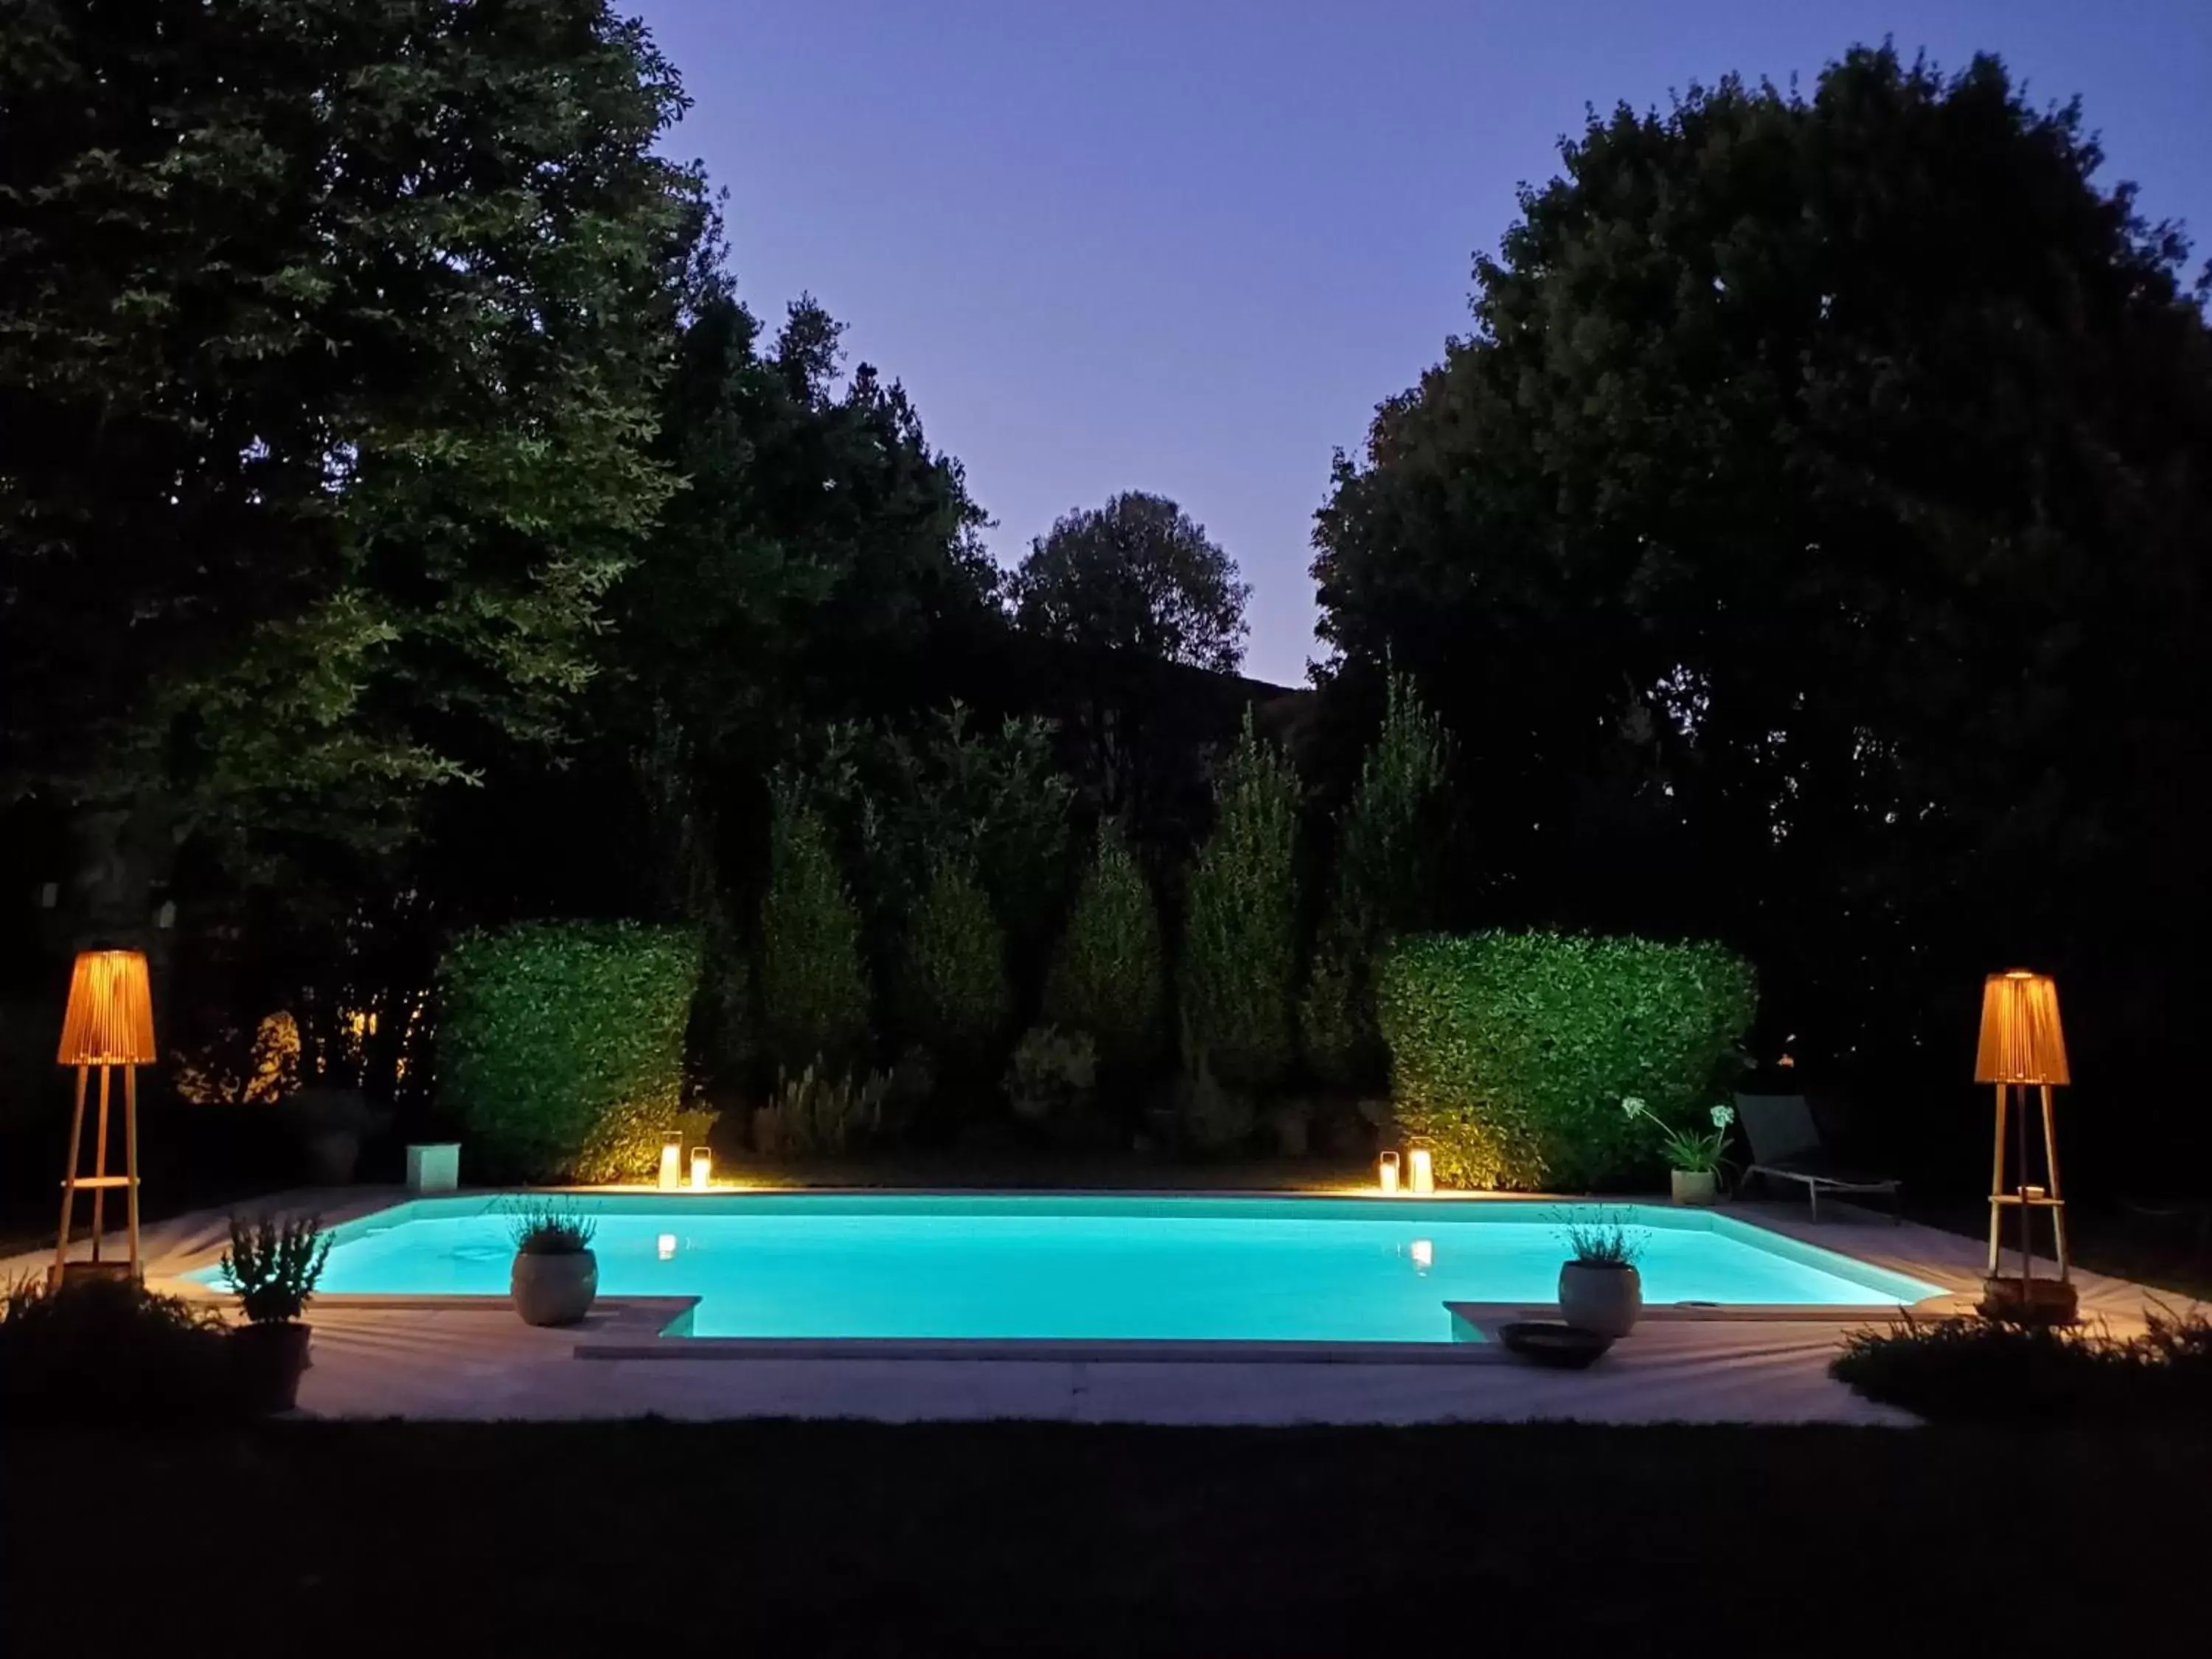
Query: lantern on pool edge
[1386, 1175]
[672, 1161]
[1421, 1171]
[703, 1168]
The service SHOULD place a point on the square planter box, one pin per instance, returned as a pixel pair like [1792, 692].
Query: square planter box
[435, 1167]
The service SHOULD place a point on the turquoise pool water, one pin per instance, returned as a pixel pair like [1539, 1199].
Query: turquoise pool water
[1337, 1270]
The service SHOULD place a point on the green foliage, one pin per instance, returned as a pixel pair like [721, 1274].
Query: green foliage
[110, 1353]
[1137, 575]
[953, 995]
[1600, 1239]
[272, 1265]
[1108, 979]
[821, 1113]
[1240, 931]
[561, 1045]
[1051, 1075]
[903, 803]
[406, 363]
[1993, 1371]
[550, 1226]
[812, 989]
[1774, 571]
[1389, 850]
[1512, 1052]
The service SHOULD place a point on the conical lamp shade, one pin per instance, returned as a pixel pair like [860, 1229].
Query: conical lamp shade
[2021, 1042]
[111, 1012]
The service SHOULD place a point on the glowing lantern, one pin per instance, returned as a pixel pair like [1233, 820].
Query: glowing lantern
[703, 1167]
[672, 1163]
[2023, 1047]
[1421, 1171]
[109, 1021]
[1386, 1178]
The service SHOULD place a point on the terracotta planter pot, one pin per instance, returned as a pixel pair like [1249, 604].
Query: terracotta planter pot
[266, 1363]
[1694, 1186]
[1599, 1297]
[554, 1290]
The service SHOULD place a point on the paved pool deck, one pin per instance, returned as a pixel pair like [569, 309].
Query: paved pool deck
[470, 1358]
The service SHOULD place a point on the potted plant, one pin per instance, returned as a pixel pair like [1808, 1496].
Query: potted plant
[271, 1267]
[1600, 1290]
[1693, 1160]
[556, 1277]
[331, 1122]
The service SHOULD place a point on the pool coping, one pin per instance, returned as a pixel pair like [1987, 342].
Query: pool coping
[655, 1328]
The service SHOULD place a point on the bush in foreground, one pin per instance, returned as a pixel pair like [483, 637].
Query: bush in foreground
[1510, 1053]
[562, 1045]
[1993, 1371]
[109, 1352]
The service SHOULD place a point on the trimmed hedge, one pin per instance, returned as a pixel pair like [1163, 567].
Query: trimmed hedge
[561, 1045]
[1509, 1052]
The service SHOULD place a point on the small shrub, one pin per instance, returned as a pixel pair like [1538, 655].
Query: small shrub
[1510, 1053]
[550, 1226]
[953, 995]
[1211, 1116]
[1051, 1075]
[1240, 934]
[1998, 1371]
[561, 1046]
[1108, 978]
[808, 975]
[110, 1352]
[1601, 1240]
[820, 1114]
[273, 1264]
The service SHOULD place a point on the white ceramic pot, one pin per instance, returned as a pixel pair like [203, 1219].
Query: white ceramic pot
[554, 1290]
[1694, 1186]
[1601, 1297]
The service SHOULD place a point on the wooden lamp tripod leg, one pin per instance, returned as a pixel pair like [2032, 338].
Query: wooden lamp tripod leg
[2050, 1164]
[99, 1168]
[1996, 1181]
[68, 1179]
[131, 1162]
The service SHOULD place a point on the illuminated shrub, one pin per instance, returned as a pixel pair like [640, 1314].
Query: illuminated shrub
[1509, 1052]
[561, 1045]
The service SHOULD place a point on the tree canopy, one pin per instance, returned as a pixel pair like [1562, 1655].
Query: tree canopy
[1808, 537]
[1136, 575]
[327, 388]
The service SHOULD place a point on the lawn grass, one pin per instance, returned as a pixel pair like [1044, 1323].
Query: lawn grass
[844, 1538]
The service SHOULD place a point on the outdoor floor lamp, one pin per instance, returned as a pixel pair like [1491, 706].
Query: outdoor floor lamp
[110, 1022]
[2022, 1047]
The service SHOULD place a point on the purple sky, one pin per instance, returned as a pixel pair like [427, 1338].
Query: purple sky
[1188, 246]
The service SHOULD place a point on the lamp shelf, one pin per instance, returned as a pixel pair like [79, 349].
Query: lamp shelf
[2044, 1202]
[86, 1183]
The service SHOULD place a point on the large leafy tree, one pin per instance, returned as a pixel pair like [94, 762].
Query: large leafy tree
[331, 340]
[1808, 543]
[1137, 575]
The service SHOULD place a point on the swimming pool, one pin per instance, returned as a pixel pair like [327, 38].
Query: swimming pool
[1148, 1268]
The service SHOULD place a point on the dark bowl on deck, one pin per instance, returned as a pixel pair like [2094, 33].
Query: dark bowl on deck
[1549, 1343]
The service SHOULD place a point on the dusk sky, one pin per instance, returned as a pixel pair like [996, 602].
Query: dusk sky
[1186, 248]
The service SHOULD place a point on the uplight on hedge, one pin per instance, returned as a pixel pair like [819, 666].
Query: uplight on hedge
[703, 1168]
[672, 1163]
